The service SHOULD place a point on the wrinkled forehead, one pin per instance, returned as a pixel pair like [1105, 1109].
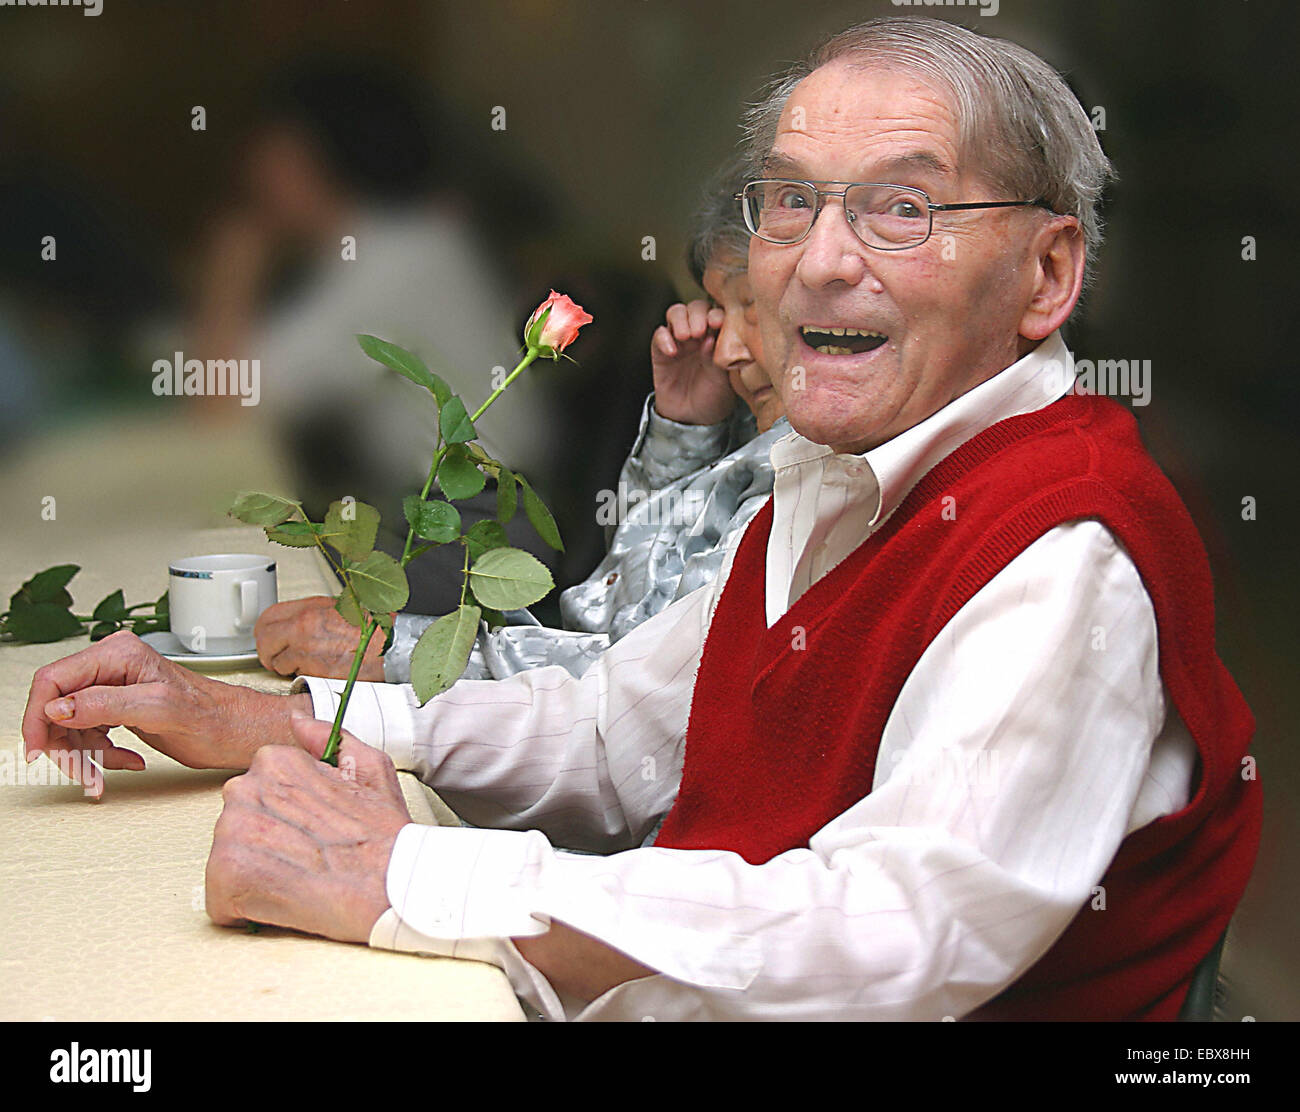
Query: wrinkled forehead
[881, 118]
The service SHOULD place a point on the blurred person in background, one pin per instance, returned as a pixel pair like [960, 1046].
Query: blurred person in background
[696, 475]
[344, 177]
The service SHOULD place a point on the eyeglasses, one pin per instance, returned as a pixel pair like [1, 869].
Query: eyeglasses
[886, 217]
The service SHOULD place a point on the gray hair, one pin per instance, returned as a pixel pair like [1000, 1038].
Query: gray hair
[1017, 119]
[718, 233]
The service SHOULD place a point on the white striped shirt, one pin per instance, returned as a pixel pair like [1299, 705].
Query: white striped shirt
[1029, 739]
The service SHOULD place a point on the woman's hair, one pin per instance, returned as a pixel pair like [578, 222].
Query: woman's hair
[718, 233]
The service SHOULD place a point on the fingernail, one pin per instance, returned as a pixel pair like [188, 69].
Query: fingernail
[33, 755]
[59, 709]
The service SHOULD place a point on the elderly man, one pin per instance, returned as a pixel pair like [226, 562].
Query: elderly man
[947, 737]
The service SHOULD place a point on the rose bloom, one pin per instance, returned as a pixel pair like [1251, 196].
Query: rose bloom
[561, 327]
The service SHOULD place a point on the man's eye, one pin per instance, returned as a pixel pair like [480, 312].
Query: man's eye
[791, 199]
[905, 208]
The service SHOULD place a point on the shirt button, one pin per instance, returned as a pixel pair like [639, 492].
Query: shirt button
[610, 578]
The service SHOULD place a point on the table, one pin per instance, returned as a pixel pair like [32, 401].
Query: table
[101, 904]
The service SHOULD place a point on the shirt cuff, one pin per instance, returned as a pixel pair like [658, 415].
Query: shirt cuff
[527, 982]
[454, 882]
[380, 714]
[668, 450]
[465, 892]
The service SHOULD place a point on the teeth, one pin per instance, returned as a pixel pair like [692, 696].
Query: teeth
[827, 349]
[864, 332]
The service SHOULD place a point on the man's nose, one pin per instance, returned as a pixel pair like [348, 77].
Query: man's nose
[832, 251]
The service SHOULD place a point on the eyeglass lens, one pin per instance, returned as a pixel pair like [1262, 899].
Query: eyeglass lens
[887, 216]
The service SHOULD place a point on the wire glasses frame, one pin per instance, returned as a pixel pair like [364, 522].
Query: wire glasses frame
[879, 213]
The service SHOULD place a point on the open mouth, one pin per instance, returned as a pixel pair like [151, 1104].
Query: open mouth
[841, 341]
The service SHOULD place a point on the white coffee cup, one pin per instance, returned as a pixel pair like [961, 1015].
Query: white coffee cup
[215, 601]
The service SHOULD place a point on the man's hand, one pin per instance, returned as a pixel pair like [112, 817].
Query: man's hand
[306, 846]
[307, 637]
[689, 387]
[121, 681]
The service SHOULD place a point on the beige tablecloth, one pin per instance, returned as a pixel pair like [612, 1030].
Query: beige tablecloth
[101, 904]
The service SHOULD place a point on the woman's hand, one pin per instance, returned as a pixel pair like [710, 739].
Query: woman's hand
[308, 637]
[689, 387]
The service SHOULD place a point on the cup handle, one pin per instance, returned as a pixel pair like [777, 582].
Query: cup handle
[247, 603]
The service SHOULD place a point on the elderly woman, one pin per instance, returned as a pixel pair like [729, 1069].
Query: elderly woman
[697, 474]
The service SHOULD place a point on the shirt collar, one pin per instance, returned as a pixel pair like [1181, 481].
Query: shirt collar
[1030, 383]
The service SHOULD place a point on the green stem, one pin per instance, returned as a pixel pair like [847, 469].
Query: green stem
[439, 452]
[320, 547]
[330, 756]
[532, 354]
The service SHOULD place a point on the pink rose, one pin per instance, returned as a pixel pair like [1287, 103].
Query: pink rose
[563, 319]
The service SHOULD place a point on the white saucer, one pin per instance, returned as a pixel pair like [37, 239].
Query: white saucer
[169, 645]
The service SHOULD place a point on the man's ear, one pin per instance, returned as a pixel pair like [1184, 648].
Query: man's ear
[1057, 252]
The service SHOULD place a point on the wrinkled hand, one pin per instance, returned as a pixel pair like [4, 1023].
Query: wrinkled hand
[689, 386]
[306, 846]
[121, 681]
[307, 637]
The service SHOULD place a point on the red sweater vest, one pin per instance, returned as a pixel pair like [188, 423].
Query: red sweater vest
[776, 748]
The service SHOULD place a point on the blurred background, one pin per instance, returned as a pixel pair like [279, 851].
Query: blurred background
[198, 166]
